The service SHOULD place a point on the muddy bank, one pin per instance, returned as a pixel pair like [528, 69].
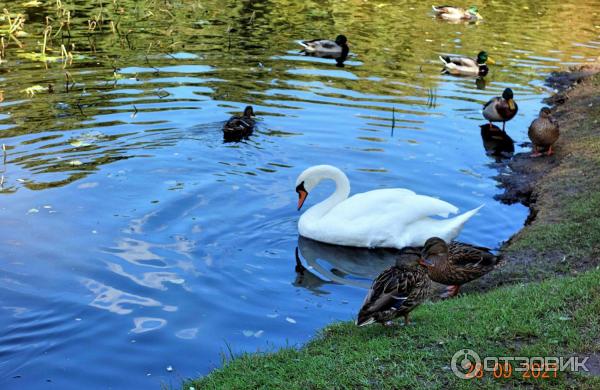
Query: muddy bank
[562, 233]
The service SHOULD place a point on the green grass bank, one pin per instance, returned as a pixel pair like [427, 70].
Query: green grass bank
[543, 301]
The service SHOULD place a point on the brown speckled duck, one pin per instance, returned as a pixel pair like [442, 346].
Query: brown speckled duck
[239, 127]
[543, 133]
[456, 263]
[397, 291]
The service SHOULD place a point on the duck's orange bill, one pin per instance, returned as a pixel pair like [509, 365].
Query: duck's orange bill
[301, 198]
[511, 104]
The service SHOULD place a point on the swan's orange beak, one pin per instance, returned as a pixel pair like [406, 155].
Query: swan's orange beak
[301, 198]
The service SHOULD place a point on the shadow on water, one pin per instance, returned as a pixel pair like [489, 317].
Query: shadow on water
[497, 143]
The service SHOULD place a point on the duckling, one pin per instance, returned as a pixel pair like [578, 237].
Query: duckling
[543, 132]
[396, 291]
[239, 127]
[501, 109]
[456, 263]
[459, 65]
[327, 48]
[449, 12]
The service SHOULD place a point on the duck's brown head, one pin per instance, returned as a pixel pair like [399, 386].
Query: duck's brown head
[434, 251]
[545, 112]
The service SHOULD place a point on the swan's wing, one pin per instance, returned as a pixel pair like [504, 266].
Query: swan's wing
[380, 206]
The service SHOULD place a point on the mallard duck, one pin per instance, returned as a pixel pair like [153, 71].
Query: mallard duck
[397, 291]
[501, 109]
[543, 132]
[327, 48]
[449, 12]
[239, 127]
[458, 65]
[456, 263]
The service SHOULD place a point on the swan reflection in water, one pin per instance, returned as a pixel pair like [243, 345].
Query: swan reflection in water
[334, 264]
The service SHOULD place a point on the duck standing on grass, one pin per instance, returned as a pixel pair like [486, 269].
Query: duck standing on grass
[456, 263]
[501, 109]
[449, 12]
[465, 66]
[543, 133]
[396, 291]
[326, 48]
[239, 127]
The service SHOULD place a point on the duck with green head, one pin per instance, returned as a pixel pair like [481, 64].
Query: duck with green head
[465, 66]
[448, 12]
[501, 108]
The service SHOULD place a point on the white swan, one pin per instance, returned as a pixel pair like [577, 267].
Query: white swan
[391, 218]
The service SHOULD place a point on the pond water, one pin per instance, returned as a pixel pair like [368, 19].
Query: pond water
[138, 249]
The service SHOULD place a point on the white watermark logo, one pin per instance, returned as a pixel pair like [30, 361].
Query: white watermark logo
[463, 361]
[466, 364]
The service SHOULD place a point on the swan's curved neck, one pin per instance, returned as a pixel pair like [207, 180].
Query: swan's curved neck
[342, 190]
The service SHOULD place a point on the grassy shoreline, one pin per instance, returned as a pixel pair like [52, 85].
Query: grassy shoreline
[549, 306]
[552, 318]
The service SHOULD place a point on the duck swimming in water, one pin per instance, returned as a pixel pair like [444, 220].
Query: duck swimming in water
[448, 12]
[465, 66]
[239, 127]
[327, 48]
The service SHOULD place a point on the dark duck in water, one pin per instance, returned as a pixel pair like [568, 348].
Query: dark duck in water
[239, 127]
